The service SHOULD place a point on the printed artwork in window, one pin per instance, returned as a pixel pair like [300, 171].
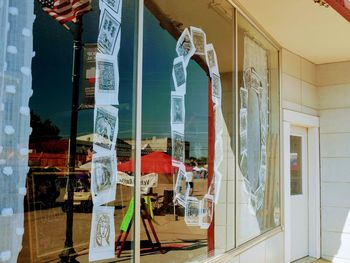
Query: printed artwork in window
[191, 42]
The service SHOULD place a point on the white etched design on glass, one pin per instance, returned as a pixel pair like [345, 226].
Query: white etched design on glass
[253, 124]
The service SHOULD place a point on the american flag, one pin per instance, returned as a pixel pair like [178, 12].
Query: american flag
[65, 10]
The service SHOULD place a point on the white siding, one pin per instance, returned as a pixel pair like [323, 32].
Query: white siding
[299, 90]
[333, 81]
[270, 250]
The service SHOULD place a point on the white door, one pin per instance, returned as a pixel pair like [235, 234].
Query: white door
[299, 193]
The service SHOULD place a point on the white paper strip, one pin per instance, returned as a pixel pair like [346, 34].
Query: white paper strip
[102, 236]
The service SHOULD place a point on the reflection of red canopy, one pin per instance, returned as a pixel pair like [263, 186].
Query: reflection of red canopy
[155, 162]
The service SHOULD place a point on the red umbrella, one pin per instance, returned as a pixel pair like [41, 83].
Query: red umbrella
[155, 162]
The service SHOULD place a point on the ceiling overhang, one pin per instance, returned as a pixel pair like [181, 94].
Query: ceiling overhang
[341, 6]
[319, 34]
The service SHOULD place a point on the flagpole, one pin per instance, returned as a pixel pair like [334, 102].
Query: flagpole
[69, 254]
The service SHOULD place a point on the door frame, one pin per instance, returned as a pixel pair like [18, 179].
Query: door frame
[292, 118]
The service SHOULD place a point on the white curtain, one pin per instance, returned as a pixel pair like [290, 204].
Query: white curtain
[16, 52]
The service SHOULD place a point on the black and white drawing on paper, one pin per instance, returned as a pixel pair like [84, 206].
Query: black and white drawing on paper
[177, 109]
[178, 146]
[103, 178]
[108, 34]
[106, 127]
[207, 211]
[106, 74]
[181, 189]
[185, 46]
[192, 211]
[107, 80]
[179, 72]
[199, 40]
[102, 233]
[216, 84]
[211, 59]
[114, 5]
[103, 172]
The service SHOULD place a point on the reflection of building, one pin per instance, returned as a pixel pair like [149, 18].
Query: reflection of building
[162, 144]
[123, 147]
[54, 153]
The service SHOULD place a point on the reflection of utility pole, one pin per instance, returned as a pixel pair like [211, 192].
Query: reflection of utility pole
[69, 254]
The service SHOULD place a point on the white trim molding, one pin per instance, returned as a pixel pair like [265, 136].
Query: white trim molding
[291, 118]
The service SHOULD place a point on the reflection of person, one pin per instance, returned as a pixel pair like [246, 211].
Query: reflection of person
[189, 181]
[102, 177]
[89, 154]
[103, 231]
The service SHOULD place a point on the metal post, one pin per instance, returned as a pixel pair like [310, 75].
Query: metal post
[69, 254]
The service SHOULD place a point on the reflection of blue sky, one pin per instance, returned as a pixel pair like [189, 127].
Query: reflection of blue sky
[52, 78]
[52, 68]
[159, 52]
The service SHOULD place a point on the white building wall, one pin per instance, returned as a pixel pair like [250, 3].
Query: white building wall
[267, 251]
[333, 81]
[298, 91]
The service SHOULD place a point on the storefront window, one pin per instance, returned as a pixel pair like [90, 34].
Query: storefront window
[46, 200]
[210, 133]
[257, 178]
[187, 129]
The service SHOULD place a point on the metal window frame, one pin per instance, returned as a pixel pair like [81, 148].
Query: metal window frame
[138, 108]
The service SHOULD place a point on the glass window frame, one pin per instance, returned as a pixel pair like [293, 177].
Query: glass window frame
[263, 236]
[138, 124]
[255, 26]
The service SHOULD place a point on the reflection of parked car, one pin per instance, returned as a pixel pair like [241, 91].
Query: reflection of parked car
[82, 199]
[43, 188]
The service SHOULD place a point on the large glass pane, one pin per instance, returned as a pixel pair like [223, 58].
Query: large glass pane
[183, 135]
[258, 186]
[296, 179]
[47, 192]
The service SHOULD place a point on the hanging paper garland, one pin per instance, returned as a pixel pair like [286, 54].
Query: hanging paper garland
[106, 124]
[193, 42]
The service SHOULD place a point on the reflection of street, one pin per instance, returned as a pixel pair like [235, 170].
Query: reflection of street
[45, 232]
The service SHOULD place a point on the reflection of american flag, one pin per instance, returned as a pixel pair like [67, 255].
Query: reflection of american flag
[65, 10]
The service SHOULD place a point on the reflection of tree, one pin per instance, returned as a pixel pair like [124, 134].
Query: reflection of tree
[42, 129]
